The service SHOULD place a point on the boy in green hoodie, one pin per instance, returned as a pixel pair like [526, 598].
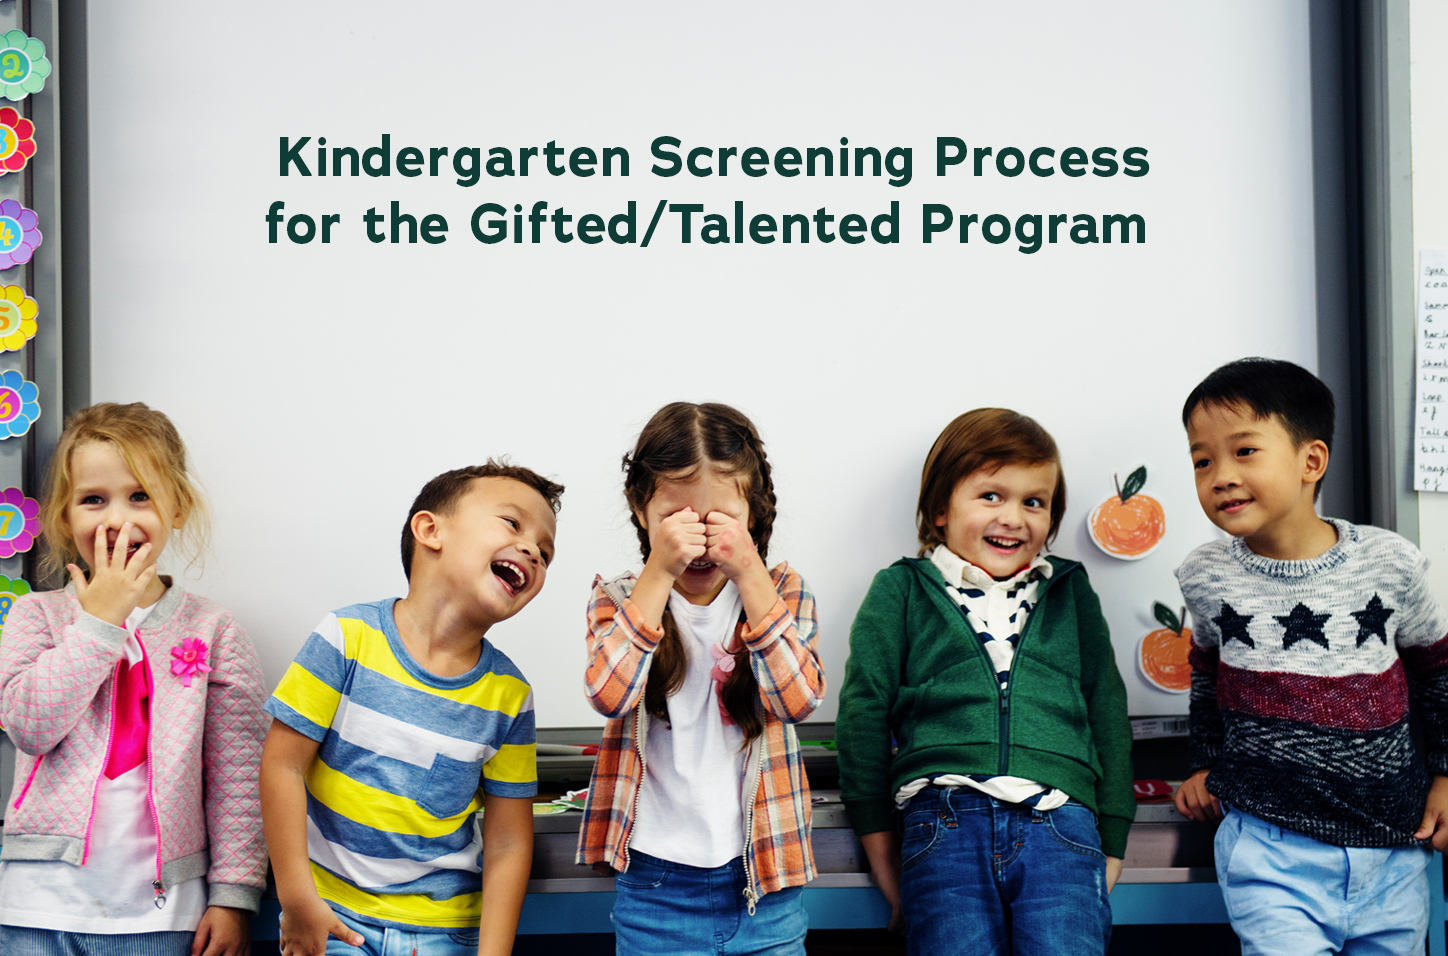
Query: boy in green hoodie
[1005, 809]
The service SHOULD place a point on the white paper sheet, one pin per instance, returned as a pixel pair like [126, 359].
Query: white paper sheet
[1430, 456]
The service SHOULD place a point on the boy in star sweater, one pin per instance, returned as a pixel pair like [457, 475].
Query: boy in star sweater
[1306, 633]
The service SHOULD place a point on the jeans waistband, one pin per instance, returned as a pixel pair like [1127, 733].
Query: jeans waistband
[736, 864]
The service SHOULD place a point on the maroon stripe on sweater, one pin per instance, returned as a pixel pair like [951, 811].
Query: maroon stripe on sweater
[1203, 659]
[1352, 702]
[1428, 657]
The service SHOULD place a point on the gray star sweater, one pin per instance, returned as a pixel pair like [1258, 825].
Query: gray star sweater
[1300, 677]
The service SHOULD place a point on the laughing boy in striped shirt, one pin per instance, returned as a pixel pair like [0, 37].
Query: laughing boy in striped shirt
[398, 721]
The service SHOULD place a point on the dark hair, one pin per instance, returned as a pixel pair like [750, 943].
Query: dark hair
[441, 494]
[983, 438]
[1267, 387]
[676, 445]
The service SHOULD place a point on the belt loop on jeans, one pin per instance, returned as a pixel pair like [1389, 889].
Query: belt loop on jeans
[947, 811]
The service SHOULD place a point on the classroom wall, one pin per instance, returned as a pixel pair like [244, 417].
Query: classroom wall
[320, 385]
[1428, 25]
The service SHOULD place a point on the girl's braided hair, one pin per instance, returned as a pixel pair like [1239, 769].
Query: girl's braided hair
[677, 444]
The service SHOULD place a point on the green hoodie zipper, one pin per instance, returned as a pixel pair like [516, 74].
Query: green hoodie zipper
[1002, 693]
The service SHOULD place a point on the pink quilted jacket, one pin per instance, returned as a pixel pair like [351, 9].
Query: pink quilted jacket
[57, 682]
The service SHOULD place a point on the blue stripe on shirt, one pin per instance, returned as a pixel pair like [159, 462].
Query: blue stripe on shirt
[385, 845]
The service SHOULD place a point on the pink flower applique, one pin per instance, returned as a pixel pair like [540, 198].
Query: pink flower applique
[719, 673]
[189, 660]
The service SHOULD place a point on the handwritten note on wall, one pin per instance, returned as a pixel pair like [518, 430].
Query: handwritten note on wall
[1431, 446]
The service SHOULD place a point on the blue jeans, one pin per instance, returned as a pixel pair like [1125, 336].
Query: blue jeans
[680, 910]
[1001, 878]
[391, 941]
[28, 941]
[1290, 894]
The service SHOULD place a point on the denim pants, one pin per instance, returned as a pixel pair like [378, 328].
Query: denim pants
[680, 910]
[987, 877]
[29, 941]
[391, 941]
[1290, 894]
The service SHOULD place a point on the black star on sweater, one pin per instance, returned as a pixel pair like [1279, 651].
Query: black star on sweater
[1372, 620]
[1233, 625]
[1302, 625]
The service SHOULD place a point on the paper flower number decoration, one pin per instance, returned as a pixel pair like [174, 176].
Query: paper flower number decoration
[17, 140]
[17, 318]
[1128, 525]
[23, 66]
[19, 236]
[9, 591]
[188, 659]
[19, 522]
[19, 407]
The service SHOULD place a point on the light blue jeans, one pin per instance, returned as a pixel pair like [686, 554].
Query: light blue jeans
[390, 941]
[669, 908]
[28, 941]
[1289, 894]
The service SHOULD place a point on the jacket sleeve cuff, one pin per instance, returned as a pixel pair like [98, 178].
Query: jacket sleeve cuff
[642, 634]
[1114, 831]
[235, 896]
[102, 632]
[870, 816]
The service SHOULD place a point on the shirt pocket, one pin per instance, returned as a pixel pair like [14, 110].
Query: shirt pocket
[449, 786]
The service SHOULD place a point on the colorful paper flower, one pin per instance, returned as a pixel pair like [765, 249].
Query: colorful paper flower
[9, 591]
[189, 659]
[19, 522]
[17, 317]
[23, 66]
[19, 236]
[19, 407]
[17, 140]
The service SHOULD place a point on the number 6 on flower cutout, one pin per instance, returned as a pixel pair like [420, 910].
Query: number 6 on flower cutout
[19, 404]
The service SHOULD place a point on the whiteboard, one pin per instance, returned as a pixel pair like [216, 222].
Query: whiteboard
[319, 385]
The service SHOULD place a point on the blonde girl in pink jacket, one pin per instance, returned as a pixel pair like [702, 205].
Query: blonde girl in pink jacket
[136, 711]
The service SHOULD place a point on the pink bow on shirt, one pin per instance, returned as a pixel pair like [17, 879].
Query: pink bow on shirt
[719, 673]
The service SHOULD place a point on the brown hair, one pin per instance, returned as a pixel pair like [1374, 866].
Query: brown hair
[151, 448]
[440, 495]
[677, 443]
[986, 438]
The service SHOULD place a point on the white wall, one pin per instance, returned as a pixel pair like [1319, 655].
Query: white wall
[320, 385]
[1428, 33]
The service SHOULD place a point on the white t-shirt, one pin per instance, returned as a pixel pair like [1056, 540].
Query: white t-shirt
[691, 809]
[112, 892]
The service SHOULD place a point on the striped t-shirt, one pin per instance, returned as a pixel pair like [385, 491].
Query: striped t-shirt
[392, 795]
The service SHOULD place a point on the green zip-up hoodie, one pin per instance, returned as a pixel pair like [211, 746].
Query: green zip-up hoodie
[917, 672]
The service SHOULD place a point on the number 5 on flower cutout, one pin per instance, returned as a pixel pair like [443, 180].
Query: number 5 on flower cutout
[17, 316]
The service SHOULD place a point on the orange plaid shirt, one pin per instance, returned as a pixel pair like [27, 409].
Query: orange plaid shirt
[791, 685]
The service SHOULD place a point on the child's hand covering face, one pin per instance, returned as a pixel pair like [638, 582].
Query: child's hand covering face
[680, 542]
[731, 546]
[118, 529]
[999, 520]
